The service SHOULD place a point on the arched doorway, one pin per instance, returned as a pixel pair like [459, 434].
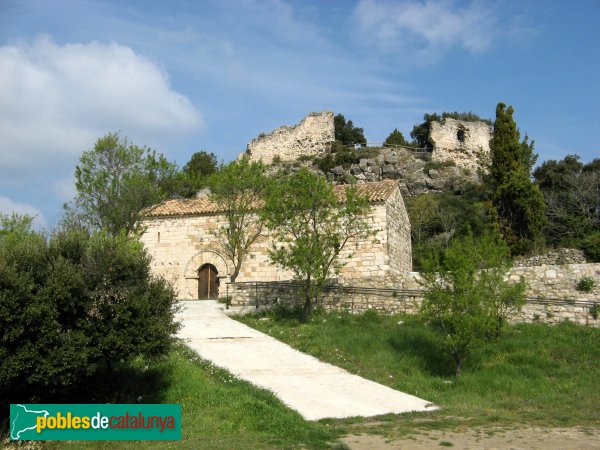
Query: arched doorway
[208, 282]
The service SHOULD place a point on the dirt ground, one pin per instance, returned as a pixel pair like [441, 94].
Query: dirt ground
[485, 438]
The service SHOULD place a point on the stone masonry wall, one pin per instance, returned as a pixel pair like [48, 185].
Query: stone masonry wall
[399, 239]
[448, 147]
[552, 296]
[180, 245]
[560, 256]
[311, 137]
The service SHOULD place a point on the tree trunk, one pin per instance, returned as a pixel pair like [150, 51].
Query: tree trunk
[307, 302]
[236, 272]
[458, 361]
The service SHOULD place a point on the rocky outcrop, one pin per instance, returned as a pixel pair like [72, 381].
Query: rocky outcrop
[416, 173]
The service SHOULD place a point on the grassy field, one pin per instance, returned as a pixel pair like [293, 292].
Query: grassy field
[535, 375]
[218, 411]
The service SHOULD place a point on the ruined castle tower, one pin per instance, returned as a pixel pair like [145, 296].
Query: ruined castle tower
[460, 141]
[311, 137]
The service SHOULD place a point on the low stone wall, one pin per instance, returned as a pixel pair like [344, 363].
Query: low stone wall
[551, 295]
[334, 297]
[557, 257]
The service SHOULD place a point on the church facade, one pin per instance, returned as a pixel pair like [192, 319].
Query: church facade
[179, 236]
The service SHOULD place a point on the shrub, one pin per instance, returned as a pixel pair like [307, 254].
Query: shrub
[591, 247]
[72, 304]
[437, 165]
[595, 311]
[466, 296]
[586, 284]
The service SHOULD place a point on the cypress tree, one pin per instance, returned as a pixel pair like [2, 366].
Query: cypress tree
[518, 201]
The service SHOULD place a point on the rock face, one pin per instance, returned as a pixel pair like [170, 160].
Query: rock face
[460, 141]
[311, 137]
[416, 173]
[449, 167]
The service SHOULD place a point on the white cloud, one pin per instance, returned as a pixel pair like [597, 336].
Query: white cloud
[7, 206]
[56, 100]
[423, 30]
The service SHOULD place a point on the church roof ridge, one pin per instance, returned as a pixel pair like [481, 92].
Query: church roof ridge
[377, 191]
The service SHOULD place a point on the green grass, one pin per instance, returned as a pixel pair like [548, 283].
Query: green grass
[534, 375]
[218, 410]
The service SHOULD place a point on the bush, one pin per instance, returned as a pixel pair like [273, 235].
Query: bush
[72, 304]
[437, 165]
[591, 247]
[595, 311]
[586, 284]
[466, 296]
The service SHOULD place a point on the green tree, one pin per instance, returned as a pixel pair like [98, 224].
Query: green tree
[71, 304]
[131, 311]
[114, 181]
[421, 132]
[347, 133]
[196, 172]
[395, 138]
[438, 218]
[311, 227]
[519, 202]
[571, 191]
[239, 187]
[466, 295]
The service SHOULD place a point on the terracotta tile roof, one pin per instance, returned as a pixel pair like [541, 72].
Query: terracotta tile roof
[374, 192]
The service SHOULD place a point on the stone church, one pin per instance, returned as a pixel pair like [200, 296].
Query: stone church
[179, 236]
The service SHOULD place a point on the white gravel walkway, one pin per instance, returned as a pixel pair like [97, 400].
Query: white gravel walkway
[315, 389]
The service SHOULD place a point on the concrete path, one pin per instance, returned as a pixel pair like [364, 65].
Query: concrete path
[315, 389]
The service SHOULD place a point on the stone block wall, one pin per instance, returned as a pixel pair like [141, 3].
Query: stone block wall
[552, 296]
[311, 137]
[399, 239]
[179, 246]
[460, 141]
[560, 256]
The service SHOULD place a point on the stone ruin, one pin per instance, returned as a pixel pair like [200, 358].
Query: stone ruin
[460, 141]
[311, 137]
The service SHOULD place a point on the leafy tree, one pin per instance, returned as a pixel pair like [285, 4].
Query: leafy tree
[438, 218]
[421, 132]
[571, 190]
[519, 203]
[114, 181]
[311, 228]
[347, 133]
[395, 138]
[591, 246]
[74, 303]
[239, 187]
[196, 172]
[466, 295]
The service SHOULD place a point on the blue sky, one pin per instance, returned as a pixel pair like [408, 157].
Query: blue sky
[183, 76]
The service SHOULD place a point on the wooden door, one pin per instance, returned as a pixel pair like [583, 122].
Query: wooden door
[208, 282]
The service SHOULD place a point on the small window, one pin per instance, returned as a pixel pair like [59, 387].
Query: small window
[158, 236]
[460, 135]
